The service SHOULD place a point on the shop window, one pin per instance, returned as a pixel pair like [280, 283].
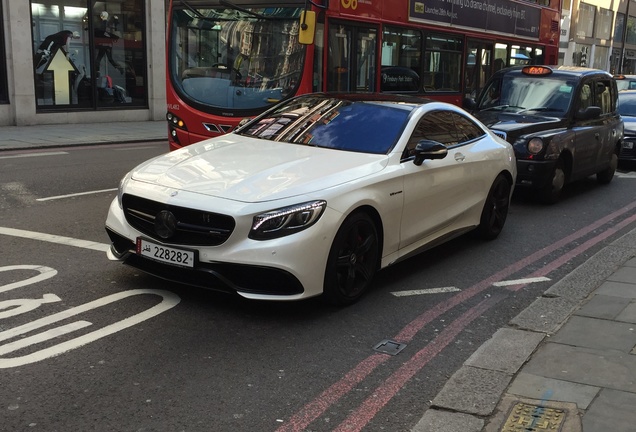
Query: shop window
[88, 54]
[4, 90]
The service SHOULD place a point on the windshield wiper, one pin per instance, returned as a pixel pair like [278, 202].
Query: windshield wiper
[496, 107]
[538, 109]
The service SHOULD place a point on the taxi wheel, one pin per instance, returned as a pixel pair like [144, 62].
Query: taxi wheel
[353, 260]
[495, 211]
[606, 176]
[552, 192]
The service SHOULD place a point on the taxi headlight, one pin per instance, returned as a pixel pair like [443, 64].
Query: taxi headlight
[286, 220]
[535, 145]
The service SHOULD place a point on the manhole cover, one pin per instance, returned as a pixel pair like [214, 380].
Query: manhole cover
[525, 417]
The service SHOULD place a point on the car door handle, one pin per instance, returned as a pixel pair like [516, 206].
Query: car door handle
[597, 135]
[459, 157]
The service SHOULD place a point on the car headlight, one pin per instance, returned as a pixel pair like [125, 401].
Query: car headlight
[535, 145]
[120, 189]
[286, 220]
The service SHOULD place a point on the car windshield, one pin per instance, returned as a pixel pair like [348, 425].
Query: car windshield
[627, 104]
[360, 126]
[523, 93]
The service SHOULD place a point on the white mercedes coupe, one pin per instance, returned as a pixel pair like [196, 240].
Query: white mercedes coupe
[313, 197]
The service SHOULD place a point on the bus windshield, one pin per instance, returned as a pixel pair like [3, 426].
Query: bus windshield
[234, 58]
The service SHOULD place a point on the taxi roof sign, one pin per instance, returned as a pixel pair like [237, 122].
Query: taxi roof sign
[536, 70]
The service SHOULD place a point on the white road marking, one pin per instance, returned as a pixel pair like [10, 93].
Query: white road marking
[630, 174]
[68, 241]
[45, 273]
[33, 155]
[76, 194]
[425, 291]
[169, 300]
[521, 281]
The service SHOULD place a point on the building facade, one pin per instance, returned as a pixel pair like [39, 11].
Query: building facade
[596, 33]
[81, 61]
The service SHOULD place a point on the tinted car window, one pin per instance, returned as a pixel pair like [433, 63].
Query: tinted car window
[446, 127]
[369, 126]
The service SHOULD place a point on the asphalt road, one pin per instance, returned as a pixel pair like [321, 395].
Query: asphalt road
[87, 344]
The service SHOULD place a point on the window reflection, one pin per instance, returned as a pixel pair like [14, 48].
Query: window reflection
[89, 54]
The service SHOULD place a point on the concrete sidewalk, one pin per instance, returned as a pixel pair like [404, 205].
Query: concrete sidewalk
[566, 363]
[61, 135]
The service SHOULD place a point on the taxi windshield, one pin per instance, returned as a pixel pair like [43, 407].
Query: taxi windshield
[522, 93]
[235, 58]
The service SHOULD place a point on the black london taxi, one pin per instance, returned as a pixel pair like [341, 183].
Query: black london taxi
[562, 121]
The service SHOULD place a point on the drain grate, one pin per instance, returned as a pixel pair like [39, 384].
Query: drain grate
[390, 347]
[525, 417]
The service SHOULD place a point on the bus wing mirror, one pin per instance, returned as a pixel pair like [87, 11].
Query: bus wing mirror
[307, 27]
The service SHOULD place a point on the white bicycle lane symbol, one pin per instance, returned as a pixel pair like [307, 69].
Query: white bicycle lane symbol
[10, 308]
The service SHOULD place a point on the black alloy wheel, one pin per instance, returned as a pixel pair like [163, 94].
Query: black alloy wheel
[353, 260]
[495, 212]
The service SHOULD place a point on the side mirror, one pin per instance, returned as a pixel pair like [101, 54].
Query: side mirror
[588, 113]
[469, 104]
[427, 149]
[307, 27]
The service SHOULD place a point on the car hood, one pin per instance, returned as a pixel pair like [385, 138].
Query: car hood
[253, 170]
[518, 124]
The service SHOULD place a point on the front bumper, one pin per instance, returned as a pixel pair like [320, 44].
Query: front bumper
[287, 268]
[628, 149]
[534, 174]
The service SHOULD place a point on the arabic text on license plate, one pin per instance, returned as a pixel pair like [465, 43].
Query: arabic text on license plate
[628, 145]
[166, 254]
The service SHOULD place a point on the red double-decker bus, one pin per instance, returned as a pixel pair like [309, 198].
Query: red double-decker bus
[228, 60]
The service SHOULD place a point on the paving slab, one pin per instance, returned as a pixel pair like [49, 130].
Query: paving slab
[473, 391]
[506, 351]
[546, 314]
[542, 388]
[624, 274]
[444, 421]
[628, 314]
[596, 333]
[617, 289]
[612, 411]
[604, 306]
[600, 368]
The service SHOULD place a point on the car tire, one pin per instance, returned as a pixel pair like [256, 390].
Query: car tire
[606, 176]
[495, 211]
[353, 260]
[551, 193]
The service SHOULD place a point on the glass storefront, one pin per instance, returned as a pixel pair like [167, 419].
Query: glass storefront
[89, 54]
[4, 90]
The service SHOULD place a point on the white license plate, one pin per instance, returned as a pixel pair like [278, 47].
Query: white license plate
[165, 254]
[628, 145]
